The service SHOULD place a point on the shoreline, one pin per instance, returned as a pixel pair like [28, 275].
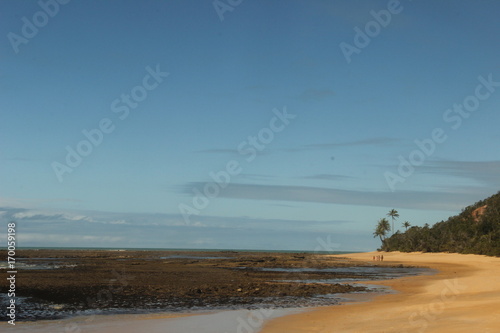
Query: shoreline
[57, 284]
[464, 296]
[298, 276]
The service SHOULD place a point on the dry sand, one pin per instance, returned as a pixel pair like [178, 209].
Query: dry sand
[464, 296]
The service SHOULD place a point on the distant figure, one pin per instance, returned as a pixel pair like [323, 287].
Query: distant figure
[382, 258]
[373, 258]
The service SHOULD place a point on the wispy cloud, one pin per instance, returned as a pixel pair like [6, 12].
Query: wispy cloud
[402, 199]
[234, 153]
[329, 177]
[254, 176]
[42, 216]
[112, 220]
[69, 240]
[376, 141]
[485, 172]
[165, 230]
[45, 216]
[119, 222]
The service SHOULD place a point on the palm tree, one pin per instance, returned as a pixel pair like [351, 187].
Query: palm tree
[381, 229]
[406, 225]
[378, 233]
[393, 214]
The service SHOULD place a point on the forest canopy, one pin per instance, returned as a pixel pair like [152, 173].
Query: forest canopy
[475, 230]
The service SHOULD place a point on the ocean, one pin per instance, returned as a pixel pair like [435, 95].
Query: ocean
[183, 249]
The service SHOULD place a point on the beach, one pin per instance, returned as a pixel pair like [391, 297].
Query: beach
[464, 296]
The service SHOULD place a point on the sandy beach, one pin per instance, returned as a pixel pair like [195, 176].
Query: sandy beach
[464, 296]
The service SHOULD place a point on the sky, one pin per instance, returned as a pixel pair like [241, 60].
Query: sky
[273, 125]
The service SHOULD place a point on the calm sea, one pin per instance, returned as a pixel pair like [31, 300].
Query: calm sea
[185, 250]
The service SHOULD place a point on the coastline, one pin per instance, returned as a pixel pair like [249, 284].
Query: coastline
[464, 296]
[57, 284]
[93, 289]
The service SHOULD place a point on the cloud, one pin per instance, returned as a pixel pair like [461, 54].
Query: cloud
[44, 216]
[263, 223]
[65, 239]
[328, 177]
[226, 151]
[61, 217]
[168, 231]
[485, 172]
[403, 199]
[111, 223]
[119, 222]
[255, 176]
[376, 141]
[316, 94]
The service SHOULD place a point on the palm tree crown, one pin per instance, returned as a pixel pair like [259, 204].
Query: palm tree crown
[394, 215]
[406, 225]
[381, 229]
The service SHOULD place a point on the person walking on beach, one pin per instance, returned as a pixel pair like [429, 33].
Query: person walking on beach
[382, 258]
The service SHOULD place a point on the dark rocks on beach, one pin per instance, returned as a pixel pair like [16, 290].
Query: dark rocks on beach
[84, 280]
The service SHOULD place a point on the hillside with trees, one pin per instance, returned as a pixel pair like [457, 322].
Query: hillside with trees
[475, 230]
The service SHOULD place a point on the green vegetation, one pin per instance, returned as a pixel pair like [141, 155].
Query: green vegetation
[475, 230]
[406, 225]
[382, 229]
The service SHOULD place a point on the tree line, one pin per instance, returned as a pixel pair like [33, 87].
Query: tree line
[475, 230]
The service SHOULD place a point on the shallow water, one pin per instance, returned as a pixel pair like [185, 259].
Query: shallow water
[42, 264]
[30, 309]
[214, 322]
[193, 257]
[229, 321]
[368, 272]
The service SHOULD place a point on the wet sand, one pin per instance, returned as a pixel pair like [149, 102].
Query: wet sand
[463, 297]
[217, 322]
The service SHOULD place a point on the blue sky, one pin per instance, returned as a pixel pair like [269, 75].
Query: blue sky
[182, 94]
